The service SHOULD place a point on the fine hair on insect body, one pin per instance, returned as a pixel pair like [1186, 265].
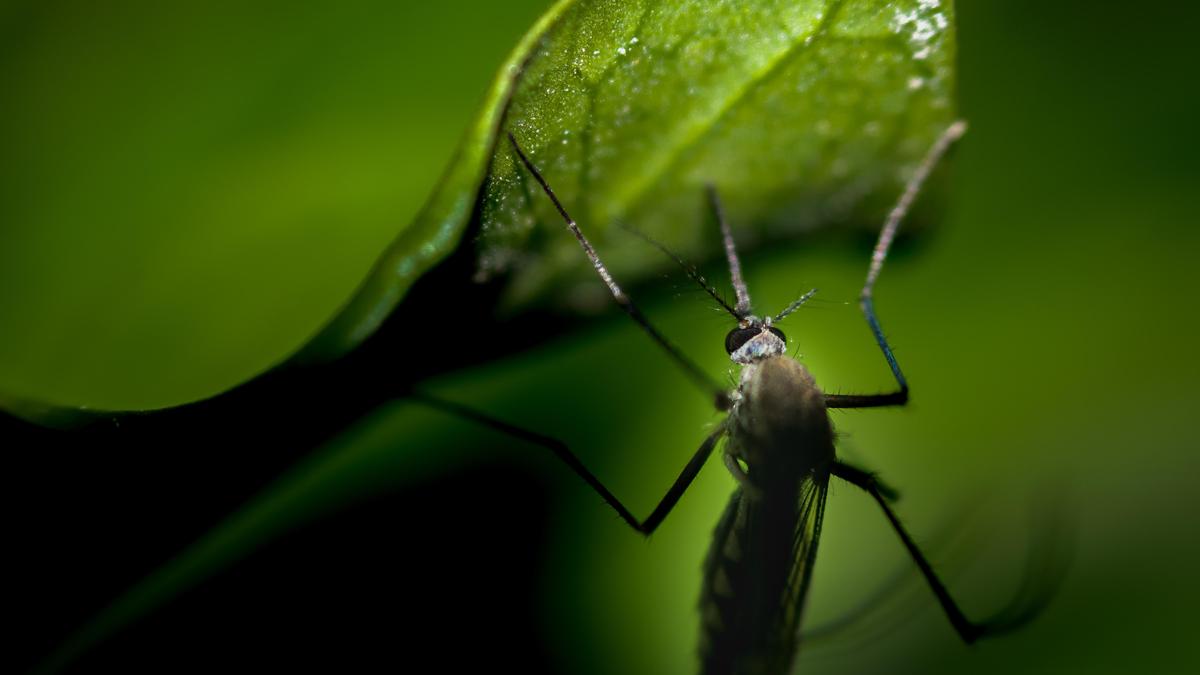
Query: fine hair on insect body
[779, 448]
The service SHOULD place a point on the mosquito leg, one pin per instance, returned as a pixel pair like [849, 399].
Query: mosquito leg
[749, 489]
[1048, 559]
[968, 631]
[861, 476]
[866, 299]
[735, 265]
[720, 396]
[560, 450]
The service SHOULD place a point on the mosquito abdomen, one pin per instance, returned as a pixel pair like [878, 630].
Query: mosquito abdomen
[780, 429]
[748, 605]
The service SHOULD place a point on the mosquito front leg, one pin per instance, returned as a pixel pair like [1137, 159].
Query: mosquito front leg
[560, 450]
[703, 381]
[866, 298]
[735, 266]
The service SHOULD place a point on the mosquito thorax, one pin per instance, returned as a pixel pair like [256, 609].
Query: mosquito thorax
[753, 340]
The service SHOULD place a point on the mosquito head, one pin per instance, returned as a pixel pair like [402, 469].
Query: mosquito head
[753, 340]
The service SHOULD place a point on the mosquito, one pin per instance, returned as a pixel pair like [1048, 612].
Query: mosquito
[779, 447]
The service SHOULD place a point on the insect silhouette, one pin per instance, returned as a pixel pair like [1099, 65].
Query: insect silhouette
[780, 450]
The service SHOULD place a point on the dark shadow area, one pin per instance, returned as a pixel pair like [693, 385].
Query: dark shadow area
[104, 504]
[436, 575]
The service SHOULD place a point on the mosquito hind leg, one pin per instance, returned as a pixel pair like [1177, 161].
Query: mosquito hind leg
[860, 476]
[560, 450]
[968, 631]
[1026, 605]
[866, 300]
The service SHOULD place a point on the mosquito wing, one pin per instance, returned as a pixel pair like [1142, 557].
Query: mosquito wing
[756, 578]
[804, 554]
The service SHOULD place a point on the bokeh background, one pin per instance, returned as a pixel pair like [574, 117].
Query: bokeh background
[189, 191]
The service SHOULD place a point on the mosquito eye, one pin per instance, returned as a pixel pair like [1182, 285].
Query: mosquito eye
[778, 333]
[738, 337]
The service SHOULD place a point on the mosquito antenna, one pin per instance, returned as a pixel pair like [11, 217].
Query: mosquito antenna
[689, 269]
[691, 369]
[795, 305]
[888, 234]
[735, 265]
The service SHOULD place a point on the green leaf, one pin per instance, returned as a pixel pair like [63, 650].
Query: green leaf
[798, 112]
[436, 230]
[803, 114]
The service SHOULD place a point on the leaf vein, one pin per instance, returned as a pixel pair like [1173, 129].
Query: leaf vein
[672, 157]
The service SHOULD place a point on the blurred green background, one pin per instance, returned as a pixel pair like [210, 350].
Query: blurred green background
[188, 193]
